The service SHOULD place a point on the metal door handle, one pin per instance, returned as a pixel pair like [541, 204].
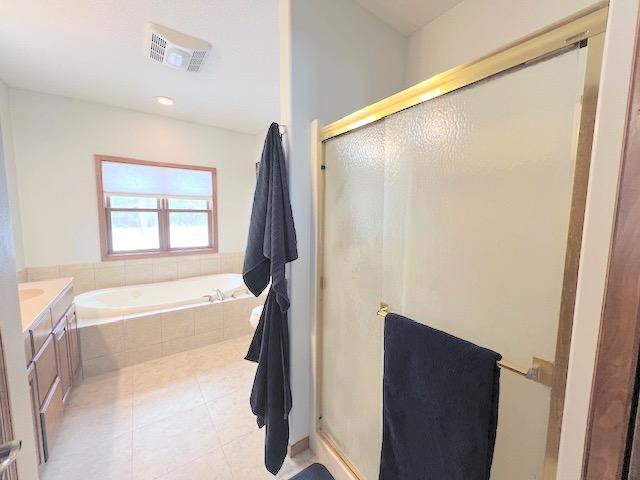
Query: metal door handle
[8, 453]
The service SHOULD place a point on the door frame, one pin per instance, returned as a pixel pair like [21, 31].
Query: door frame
[614, 381]
[6, 423]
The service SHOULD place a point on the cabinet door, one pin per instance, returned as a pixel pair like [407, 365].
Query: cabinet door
[46, 365]
[74, 342]
[35, 410]
[62, 354]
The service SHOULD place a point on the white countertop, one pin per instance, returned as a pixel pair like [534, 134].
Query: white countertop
[31, 308]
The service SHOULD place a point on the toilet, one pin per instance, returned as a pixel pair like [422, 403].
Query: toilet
[255, 316]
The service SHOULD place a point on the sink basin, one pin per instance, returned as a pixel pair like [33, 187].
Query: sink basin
[29, 293]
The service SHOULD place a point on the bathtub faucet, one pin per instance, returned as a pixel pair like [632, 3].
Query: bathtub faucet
[218, 294]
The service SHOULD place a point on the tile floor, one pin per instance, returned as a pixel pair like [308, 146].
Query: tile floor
[182, 417]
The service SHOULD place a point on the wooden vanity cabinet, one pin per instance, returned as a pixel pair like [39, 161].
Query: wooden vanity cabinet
[52, 349]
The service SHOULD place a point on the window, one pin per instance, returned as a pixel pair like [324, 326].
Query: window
[154, 209]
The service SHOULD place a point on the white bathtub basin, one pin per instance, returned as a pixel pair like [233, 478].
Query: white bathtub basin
[122, 301]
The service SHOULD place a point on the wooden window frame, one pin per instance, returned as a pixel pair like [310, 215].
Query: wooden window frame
[163, 215]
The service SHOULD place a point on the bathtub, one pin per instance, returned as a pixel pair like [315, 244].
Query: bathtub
[121, 301]
[123, 326]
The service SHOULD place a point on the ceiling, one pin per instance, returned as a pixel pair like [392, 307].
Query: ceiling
[95, 50]
[407, 16]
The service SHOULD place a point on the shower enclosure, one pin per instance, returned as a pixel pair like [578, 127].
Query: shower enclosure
[459, 203]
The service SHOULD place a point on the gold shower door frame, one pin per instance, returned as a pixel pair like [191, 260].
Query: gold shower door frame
[588, 26]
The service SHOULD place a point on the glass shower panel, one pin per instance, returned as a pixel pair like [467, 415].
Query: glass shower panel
[477, 198]
[351, 333]
[455, 212]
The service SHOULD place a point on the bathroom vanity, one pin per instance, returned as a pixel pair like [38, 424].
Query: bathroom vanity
[52, 352]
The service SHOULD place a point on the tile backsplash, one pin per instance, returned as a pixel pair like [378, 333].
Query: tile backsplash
[22, 275]
[94, 276]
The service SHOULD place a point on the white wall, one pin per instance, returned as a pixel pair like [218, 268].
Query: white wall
[10, 325]
[477, 27]
[10, 169]
[55, 139]
[337, 58]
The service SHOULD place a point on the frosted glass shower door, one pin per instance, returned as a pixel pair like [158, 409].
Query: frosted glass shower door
[352, 337]
[455, 212]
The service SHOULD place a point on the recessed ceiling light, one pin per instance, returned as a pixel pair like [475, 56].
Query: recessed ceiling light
[165, 101]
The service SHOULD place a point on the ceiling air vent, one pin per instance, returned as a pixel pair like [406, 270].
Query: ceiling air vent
[175, 49]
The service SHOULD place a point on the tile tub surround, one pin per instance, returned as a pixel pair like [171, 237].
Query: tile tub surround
[117, 343]
[95, 276]
[181, 417]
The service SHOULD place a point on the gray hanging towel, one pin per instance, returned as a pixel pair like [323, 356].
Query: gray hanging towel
[271, 245]
[440, 404]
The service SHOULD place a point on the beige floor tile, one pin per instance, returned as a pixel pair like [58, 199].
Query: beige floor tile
[163, 372]
[212, 466]
[102, 389]
[99, 411]
[159, 403]
[166, 445]
[84, 436]
[246, 459]
[85, 426]
[241, 344]
[212, 357]
[107, 461]
[150, 421]
[232, 416]
[227, 379]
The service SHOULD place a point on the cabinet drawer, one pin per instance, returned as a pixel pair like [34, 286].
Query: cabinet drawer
[46, 368]
[61, 304]
[51, 417]
[40, 330]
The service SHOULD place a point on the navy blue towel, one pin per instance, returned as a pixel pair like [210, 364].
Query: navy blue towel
[271, 244]
[440, 404]
[314, 472]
